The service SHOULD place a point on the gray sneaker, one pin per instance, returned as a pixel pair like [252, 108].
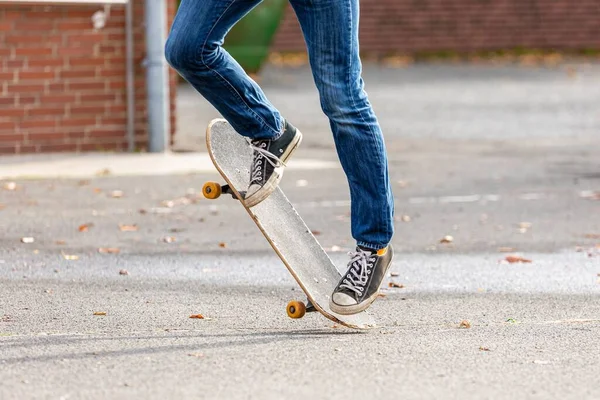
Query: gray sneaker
[268, 163]
[359, 287]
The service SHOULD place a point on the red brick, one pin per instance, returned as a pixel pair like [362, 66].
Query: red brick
[38, 51]
[86, 98]
[6, 76]
[46, 111]
[80, 26]
[39, 25]
[57, 98]
[36, 75]
[8, 125]
[12, 112]
[109, 73]
[78, 73]
[89, 85]
[38, 123]
[27, 99]
[11, 137]
[47, 137]
[83, 109]
[25, 87]
[92, 61]
[75, 51]
[118, 132]
[9, 149]
[57, 148]
[77, 121]
[5, 26]
[48, 62]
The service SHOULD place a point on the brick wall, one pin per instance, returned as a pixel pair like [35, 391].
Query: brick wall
[62, 84]
[409, 26]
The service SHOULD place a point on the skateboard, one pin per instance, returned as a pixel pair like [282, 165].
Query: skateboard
[281, 225]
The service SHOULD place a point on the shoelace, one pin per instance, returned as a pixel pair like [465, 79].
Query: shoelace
[266, 155]
[358, 273]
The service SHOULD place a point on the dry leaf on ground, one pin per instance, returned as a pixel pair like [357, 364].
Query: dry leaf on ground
[123, 272]
[223, 245]
[168, 239]
[85, 227]
[484, 348]
[197, 316]
[128, 228]
[108, 250]
[316, 233]
[517, 259]
[395, 285]
[464, 324]
[99, 312]
[447, 239]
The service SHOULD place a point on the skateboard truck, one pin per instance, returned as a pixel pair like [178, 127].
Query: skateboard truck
[212, 190]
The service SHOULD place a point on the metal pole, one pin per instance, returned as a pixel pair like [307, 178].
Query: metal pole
[157, 77]
[130, 76]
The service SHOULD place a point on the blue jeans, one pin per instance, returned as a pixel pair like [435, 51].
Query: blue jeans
[330, 29]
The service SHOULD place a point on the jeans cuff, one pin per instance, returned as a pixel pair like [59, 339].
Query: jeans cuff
[371, 245]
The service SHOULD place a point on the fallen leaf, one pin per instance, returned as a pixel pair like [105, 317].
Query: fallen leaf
[395, 285]
[197, 316]
[176, 230]
[27, 240]
[168, 239]
[108, 250]
[517, 259]
[123, 272]
[447, 239]
[223, 245]
[511, 321]
[128, 228]
[99, 312]
[316, 233]
[464, 324]
[116, 194]
[483, 348]
[382, 294]
[10, 186]
[85, 227]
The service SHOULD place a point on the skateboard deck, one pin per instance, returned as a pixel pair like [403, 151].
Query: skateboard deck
[281, 225]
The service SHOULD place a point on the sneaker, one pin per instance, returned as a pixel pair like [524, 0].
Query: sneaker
[268, 163]
[359, 287]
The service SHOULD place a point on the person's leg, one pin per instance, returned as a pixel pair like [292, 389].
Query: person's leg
[330, 30]
[194, 49]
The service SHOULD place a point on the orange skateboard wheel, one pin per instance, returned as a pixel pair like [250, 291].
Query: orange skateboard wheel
[296, 309]
[211, 190]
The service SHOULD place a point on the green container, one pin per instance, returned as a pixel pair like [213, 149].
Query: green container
[250, 39]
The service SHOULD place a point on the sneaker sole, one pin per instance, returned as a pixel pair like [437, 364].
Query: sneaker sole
[272, 183]
[349, 310]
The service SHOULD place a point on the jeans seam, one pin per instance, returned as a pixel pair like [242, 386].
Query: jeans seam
[349, 82]
[227, 83]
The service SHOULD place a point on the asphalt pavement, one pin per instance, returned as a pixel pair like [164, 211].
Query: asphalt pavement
[497, 190]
